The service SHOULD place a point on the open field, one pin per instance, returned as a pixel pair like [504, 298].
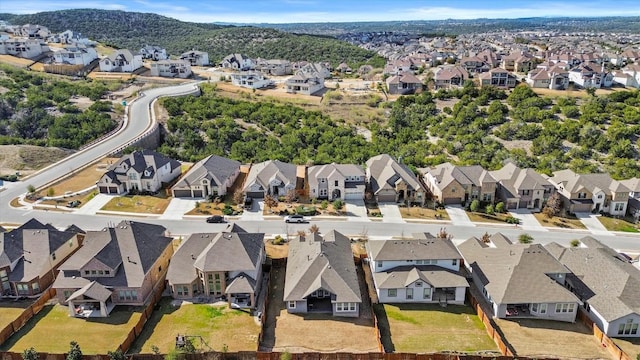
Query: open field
[52, 329]
[424, 328]
[10, 310]
[77, 181]
[423, 213]
[15, 61]
[139, 204]
[560, 222]
[538, 338]
[26, 159]
[217, 325]
[613, 224]
[482, 217]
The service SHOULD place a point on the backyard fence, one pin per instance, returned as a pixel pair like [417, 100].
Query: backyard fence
[26, 315]
[490, 326]
[616, 352]
[146, 314]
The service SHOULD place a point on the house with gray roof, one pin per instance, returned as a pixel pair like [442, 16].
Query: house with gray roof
[271, 177]
[212, 265]
[519, 280]
[423, 269]
[196, 58]
[607, 284]
[238, 62]
[404, 83]
[122, 60]
[30, 255]
[304, 83]
[119, 265]
[452, 184]
[211, 176]
[321, 276]
[391, 181]
[154, 53]
[141, 170]
[336, 181]
[521, 188]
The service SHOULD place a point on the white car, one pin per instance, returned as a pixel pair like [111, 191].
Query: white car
[296, 219]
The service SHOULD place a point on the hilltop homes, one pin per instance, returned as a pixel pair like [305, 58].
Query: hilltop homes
[590, 76]
[144, 170]
[451, 184]
[24, 48]
[251, 80]
[196, 58]
[606, 282]
[75, 55]
[450, 77]
[30, 256]
[171, 68]
[155, 53]
[404, 83]
[521, 188]
[227, 263]
[238, 62]
[519, 280]
[271, 177]
[308, 79]
[274, 67]
[121, 61]
[211, 176]
[321, 276]
[120, 265]
[336, 181]
[392, 181]
[499, 78]
[423, 269]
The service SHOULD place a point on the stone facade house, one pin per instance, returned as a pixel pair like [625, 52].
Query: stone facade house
[451, 184]
[391, 181]
[211, 176]
[271, 177]
[521, 188]
[336, 181]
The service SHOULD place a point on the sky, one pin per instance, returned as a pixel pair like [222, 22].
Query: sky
[305, 11]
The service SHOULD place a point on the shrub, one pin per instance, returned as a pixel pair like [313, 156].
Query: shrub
[475, 205]
[306, 210]
[324, 205]
[500, 207]
[525, 239]
[278, 240]
[575, 243]
[489, 209]
[338, 204]
[512, 220]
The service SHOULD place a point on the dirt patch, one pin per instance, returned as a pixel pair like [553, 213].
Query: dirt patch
[15, 61]
[27, 159]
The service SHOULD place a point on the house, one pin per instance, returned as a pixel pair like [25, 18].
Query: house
[403, 83]
[321, 276]
[391, 181]
[319, 70]
[75, 55]
[211, 176]
[557, 79]
[474, 65]
[304, 84]
[72, 37]
[271, 177]
[144, 170]
[589, 76]
[499, 78]
[490, 58]
[591, 192]
[606, 282]
[238, 62]
[31, 31]
[344, 68]
[171, 68]
[121, 265]
[450, 77]
[451, 184]
[274, 67]
[336, 181]
[522, 62]
[424, 269]
[396, 67]
[250, 80]
[632, 77]
[121, 61]
[519, 280]
[633, 207]
[155, 53]
[196, 58]
[30, 255]
[24, 48]
[227, 263]
[521, 188]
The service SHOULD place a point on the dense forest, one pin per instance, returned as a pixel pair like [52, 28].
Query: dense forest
[597, 133]
[35, 109]
[133, 30]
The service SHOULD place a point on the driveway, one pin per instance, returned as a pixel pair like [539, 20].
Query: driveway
[390, 213]
[177, 208]
[356, 210]
[527, 220]
[458, 216]
[95, 204]
[593, 224]
[255, 212]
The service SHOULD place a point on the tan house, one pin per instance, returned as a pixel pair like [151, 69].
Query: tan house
[499, 78]
[336, 181]
[404, 83]
[521, 188]
[271, 177]
[211, 176]
[450, 77]
[451, 184]
[392, 181]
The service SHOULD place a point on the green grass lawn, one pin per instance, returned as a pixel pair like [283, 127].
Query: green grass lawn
[426, 328]
[52, 329]
[138, 204]
[217, 325]
[482, 217]
[613, 224]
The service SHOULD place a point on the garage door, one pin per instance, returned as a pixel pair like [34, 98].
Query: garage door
[387, 198]
[452, 201]
[104, 189]
[255, 194]
[197, 193]
[182, 193]
[353, 196]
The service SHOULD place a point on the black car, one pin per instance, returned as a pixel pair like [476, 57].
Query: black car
[248, 201]
[215, 219]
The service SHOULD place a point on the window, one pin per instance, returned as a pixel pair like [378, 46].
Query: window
[36, 287]
[128, 295]
[67, 293]
[291, 305]
[342, 307]
[94, 272]
[526, 192]
[534, 307]
[628, 328]
[380, 263]
[100, 272]
[53, 256]
[563, 308]
[543, 309]
[454, 262]
[582, 195]
[453, 190]
[335, 183]
[409, 293]
[418, 283]
[392, 292]
[619, 206]
[426, 294]
[87, 272]
[106, 272]
[71, 243]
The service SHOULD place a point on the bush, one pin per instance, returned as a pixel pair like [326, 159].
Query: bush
[228, 210]
[490, 210]
[500, 207]
[324, 205]
[338, 204]
[512, 220]
[278, 240]
[475, 205]
[306, 210]
[525, 239]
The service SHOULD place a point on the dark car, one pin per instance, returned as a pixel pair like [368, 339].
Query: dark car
[248, 201]
[215, 219]
[73, 204]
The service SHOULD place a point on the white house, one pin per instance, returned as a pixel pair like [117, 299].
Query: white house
[24, 48]
[250, 80]
[121, 61]
[238, 62]
[304, 84]
[154, 53]
[75, 55]
[171, 68]
[588, 76]
[196, 58]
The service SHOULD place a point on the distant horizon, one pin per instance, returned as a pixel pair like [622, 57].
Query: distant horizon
[334, 11]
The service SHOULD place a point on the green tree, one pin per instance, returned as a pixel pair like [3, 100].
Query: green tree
[525, 239]
[74, 351]
[553, 205]
[490, 209]
[31, 189]
[30, 354]
[575, 243]
[475, 205]
[116, 355]
[51, 192]
[500, 207]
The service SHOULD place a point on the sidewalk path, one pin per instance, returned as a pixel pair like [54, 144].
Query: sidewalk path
[95, 204]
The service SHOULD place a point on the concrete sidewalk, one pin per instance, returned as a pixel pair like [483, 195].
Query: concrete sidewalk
[356, 210]
[178, 207]
[458, 216]
[593, 224]
[390, 213]
[527, 220]
[95, 204]
[255, 213]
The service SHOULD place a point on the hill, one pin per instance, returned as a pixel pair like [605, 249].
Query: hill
[133, 30]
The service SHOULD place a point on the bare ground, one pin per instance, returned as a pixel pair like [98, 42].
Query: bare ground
[27, 159]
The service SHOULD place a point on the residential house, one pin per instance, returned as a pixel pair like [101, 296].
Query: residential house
[304, 84]
[155, 53]
[591, 192]
[319, 70]
[451, 184]
[403, 83]
[75, 55]
[499, 78]
[589, 76]
[424, 269]
[71, 37]
[489, 57]
[171, 68]
[521, 188]
[227, 263]
[556, 79]
[631, 55]
[211, 176]
[344, 68]
[607, 284]
[633, 207]
[121, 61]
[24, 48]
[391, 181]
[519, 280]
[30, 255]
[251, 80]
[336, 181]
[396, 67]
[121, 265]
[450, 77]
[238, 62]
[522, 62]
[474, 65]
[632, 72]
[144, 170]
[271, 177]
[274, 67]
[196, 58]
[31, 31]
[321, 276]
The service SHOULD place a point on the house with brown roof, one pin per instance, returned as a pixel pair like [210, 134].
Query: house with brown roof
[606, 283]
[213, 265]
[474, 65]
[499, 78]
[450, 77]
[424, 269]
[521, 62]
[590, 75]
[271, 177]
[336, 181]
[321, 276]
[519, 280]
[403, 83]
[211, 176]
[521, 188]
[391, 181]
[452, 184]
[556, 79]
[120, 265]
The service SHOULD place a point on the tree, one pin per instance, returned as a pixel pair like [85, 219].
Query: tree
[525, 239]
[290, 197]
[51, 192]
[238, 196]
[500, 207]
[553, 205]
[116, 355]
[338, 204]
[31, 189]
[443, 234]
[490, 210]
[270, 201]
[486, 238]
[591, 91]
[575, 243]
[74, 351]
[475, 205]
[30, 354]
[314, 229]
[324, 205]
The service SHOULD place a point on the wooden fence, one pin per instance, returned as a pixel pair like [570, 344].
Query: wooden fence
[146, 314]
[616, 352]
[26, 315]
[490, 326]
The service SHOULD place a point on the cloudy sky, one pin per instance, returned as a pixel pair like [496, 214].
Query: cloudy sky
[287, 11]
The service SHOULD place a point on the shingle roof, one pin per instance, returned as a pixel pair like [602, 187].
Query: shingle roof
[263, 173]
[466, 175]
[241, 284]
[423, 246]
[324, 171]
[214, 168]
[514, 179]
[384, 172]
[403, 276]
[140, 161]
[573, 182]
[93, 290]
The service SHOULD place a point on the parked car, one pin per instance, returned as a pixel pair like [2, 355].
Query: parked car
[73, 204]
[296, 219]
[248, 201]
[215, 219]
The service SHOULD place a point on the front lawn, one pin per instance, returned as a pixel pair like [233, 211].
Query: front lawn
[417, 212]
[623, 224]
[138, 204]
[483, 217]
[557, 221]
[213, 208]
[426, 328]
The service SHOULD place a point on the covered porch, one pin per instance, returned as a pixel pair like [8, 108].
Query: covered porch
[241, 292]
[92, 300]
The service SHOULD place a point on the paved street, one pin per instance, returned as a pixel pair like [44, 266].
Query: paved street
[458, 216]
[527, 220]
